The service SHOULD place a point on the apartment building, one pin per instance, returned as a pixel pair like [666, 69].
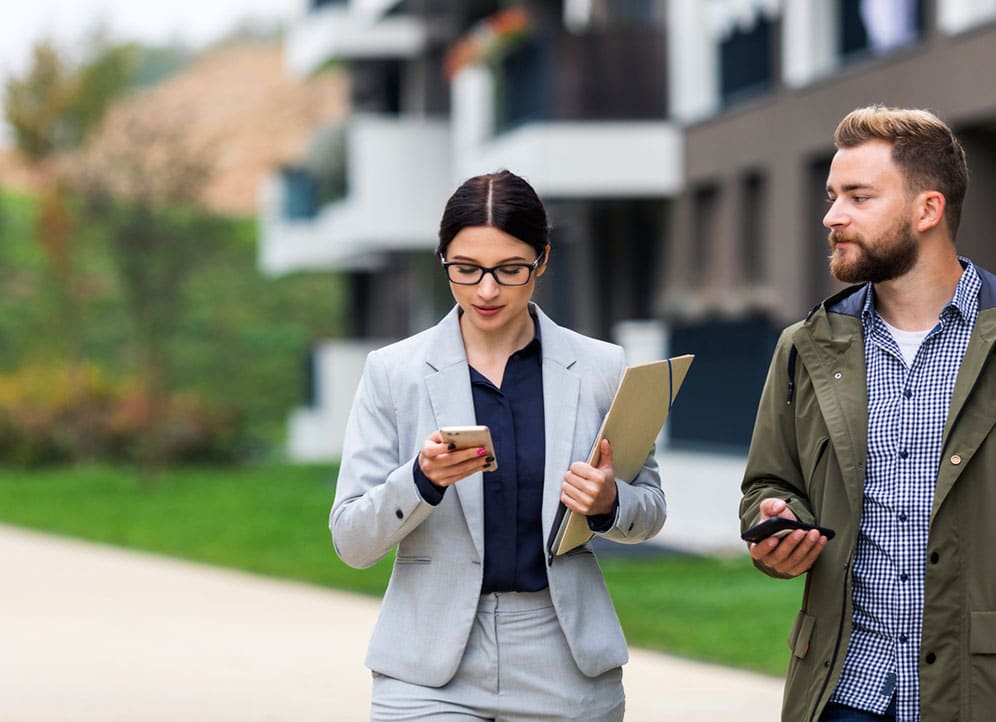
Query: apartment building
[759, 117]
[571, 95]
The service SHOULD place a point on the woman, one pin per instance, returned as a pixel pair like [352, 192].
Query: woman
[475, 623]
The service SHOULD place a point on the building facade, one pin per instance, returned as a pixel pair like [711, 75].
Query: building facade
[445, 90]
[681, 146]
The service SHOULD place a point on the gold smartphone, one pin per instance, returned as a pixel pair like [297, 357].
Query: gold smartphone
[468, 437]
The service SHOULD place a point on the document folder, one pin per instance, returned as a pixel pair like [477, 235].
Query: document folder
[632, 425]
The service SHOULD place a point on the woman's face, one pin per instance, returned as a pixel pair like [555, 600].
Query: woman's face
[487, 305]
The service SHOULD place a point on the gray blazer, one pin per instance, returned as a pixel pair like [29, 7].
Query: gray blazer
[408, 390]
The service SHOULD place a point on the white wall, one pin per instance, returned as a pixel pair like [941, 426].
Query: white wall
[399, 179]
[955, 16]
[316, 434]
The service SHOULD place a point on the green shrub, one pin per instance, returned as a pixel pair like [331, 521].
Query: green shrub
[53, 415]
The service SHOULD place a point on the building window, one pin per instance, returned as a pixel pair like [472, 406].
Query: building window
[753, 198]
[820, 282]
[523, 83]
[747, 59]
[300, 194]
[877, 27]
[705, 202]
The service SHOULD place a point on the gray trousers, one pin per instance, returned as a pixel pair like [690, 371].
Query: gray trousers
[516, 668]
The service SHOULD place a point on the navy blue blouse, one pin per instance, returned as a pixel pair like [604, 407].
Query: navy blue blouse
[514, 557]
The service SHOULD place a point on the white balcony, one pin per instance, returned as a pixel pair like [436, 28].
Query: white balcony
[398, 180]
[356, 31]
[565, 159]
[587, 159]
[316, 433]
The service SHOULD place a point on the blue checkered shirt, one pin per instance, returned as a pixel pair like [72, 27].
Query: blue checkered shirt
[907, 410]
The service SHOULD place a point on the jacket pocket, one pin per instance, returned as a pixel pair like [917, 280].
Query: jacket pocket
[801, 634]
[982, 633]
[407, 559]
[819, 452]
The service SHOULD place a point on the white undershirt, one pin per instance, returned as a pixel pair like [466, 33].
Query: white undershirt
[908, 341]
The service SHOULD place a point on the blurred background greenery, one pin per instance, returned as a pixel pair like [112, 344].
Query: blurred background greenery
[134, 322]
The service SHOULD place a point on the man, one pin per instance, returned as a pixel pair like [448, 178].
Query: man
[877, 421]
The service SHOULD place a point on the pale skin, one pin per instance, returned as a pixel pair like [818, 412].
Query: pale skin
[868, 195]
[495, 323]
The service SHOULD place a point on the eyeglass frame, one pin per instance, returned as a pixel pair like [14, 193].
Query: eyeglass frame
[486, 270]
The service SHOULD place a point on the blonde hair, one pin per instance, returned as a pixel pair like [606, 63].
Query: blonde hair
[923, 147]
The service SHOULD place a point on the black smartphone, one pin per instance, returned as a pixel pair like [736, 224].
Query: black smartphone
[780, 526]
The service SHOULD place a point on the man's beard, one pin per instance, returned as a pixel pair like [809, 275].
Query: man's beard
[894, 253]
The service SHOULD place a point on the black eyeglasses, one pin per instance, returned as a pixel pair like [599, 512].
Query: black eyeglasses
[507, 274]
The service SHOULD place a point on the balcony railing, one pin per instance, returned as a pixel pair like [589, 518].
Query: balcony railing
[602, 75]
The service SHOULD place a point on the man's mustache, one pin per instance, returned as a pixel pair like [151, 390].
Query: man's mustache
[835, 237]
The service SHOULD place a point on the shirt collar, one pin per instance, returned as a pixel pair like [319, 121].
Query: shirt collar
[964, 302]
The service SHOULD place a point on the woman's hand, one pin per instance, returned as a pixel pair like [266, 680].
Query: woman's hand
[588, 489]
[444, 465]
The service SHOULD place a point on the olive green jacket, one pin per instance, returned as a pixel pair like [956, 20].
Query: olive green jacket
[809, 448]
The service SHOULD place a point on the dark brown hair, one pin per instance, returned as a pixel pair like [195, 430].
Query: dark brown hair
[923, 147]
[501, 200]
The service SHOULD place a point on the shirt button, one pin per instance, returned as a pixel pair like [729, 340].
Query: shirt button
[902, 516]
[904, 577]
[903, 639]
[955, 459]
[903, 454]
[907, 393]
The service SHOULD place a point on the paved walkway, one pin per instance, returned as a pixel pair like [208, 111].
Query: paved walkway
[90, 633]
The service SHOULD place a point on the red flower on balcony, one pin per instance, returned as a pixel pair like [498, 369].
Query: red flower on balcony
[488, 40]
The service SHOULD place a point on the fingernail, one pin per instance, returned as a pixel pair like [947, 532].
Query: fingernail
[490, 459]
[451, 447]
[482, 451]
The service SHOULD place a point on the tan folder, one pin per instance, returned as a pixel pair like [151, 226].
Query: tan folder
[635, 419]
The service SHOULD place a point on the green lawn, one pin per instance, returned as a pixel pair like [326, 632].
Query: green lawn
[273, 520]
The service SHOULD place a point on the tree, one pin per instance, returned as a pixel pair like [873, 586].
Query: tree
[36, 104]
[52, 108]
[54, 105]
[139, 182]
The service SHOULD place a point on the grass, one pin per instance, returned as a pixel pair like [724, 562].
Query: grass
[721, 610]
[272, 520]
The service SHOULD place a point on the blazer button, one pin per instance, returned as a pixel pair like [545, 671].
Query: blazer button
[955, 459]
[931, 658]
[398, 513]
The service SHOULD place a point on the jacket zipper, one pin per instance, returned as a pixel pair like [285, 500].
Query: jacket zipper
[840, 634]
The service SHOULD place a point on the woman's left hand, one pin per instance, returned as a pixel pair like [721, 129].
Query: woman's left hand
[588, 489]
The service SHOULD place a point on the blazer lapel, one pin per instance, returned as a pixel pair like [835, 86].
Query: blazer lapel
[561, 395]
[448, 386]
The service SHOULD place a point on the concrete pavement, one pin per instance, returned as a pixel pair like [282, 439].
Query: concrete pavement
[91, 633]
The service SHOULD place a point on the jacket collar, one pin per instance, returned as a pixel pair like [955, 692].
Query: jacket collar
[447, 348]
[852, 300]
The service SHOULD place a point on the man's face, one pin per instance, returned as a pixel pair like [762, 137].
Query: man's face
[870, 218]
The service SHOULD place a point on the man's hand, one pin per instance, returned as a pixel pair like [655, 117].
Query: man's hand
[588, 489]
[792, 554]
